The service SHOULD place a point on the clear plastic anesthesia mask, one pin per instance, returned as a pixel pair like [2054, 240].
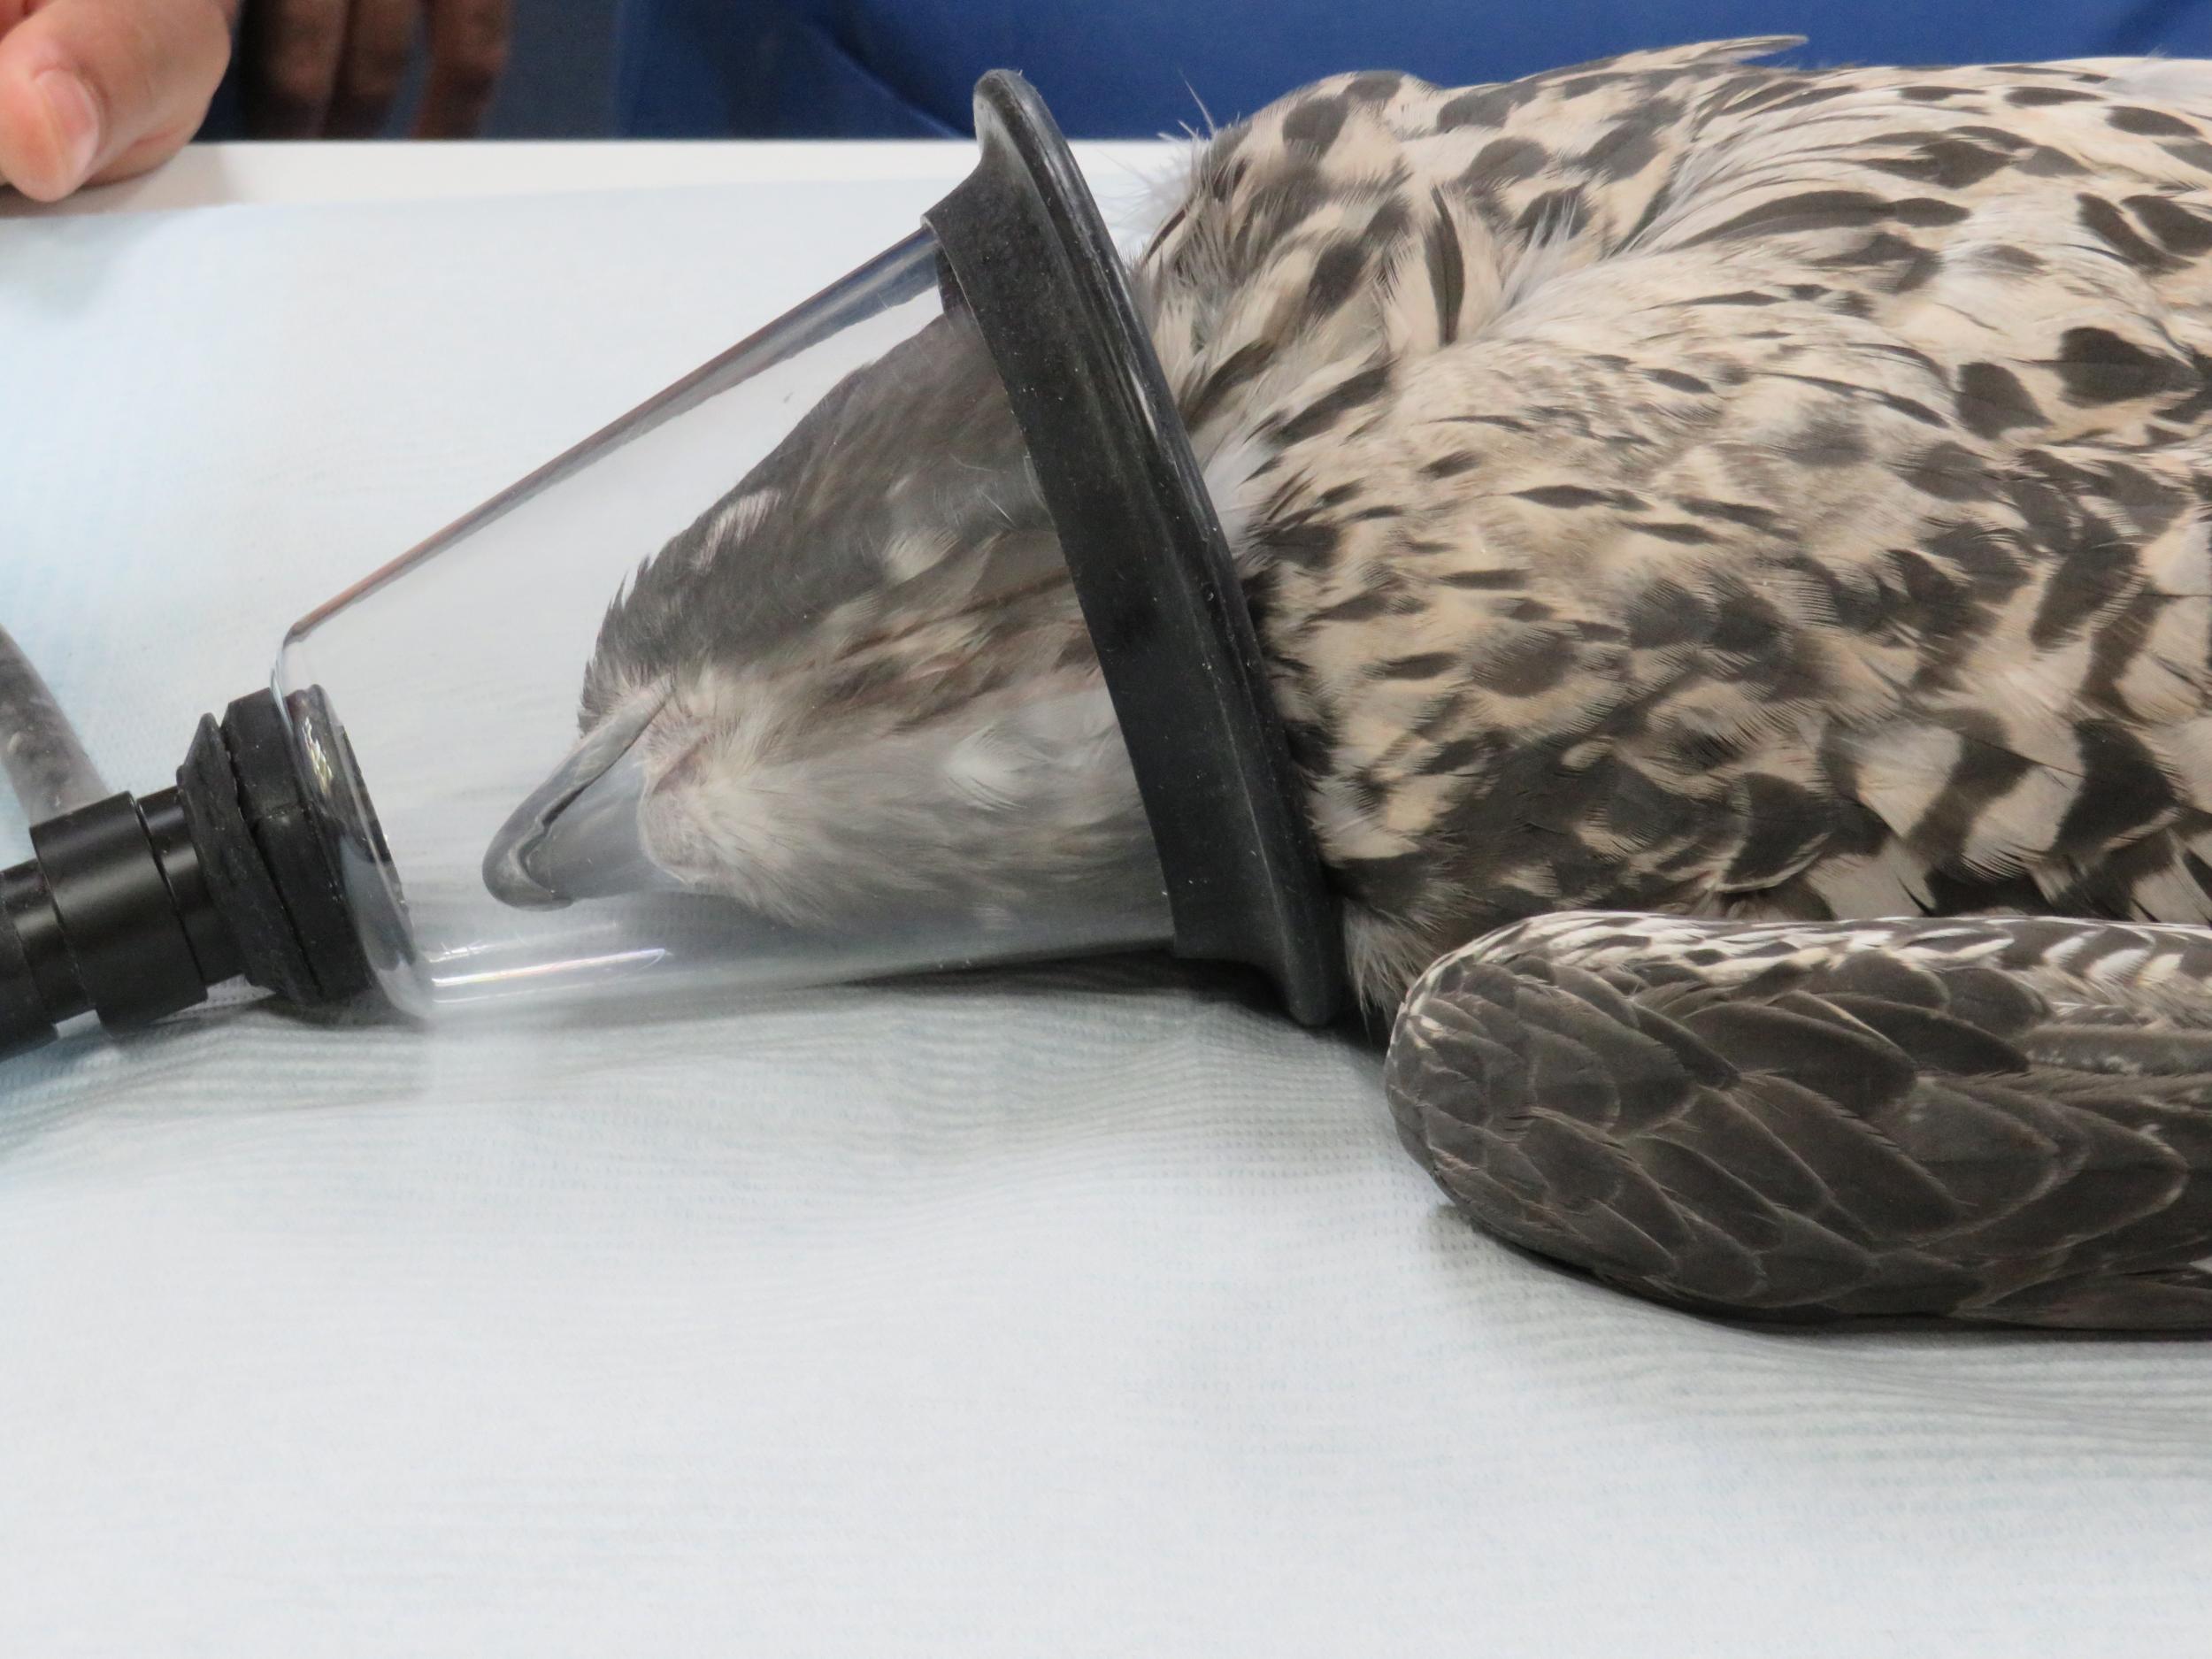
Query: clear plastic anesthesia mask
[901, 636]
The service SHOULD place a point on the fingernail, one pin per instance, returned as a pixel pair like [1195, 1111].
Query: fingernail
[74, 118]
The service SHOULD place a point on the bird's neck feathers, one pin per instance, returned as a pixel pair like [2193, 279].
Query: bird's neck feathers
[1284, 290]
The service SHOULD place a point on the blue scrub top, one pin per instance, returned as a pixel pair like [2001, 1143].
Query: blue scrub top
[1135, 68]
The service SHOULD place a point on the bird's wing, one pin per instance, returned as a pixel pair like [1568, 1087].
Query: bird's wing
[1995, 1121]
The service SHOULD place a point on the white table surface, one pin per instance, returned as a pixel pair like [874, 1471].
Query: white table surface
[211, 175]
[1075, 1313]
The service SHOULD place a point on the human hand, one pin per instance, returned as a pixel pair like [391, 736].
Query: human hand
[98, 90]
[92, 90]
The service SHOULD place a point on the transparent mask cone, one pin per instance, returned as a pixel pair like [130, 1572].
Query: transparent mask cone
[779, 680]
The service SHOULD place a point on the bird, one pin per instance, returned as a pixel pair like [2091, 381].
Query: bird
[1729, 547]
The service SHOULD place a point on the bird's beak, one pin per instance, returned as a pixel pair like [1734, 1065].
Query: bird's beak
[577, 835]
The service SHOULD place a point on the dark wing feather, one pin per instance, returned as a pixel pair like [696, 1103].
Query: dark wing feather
[1969, 1120]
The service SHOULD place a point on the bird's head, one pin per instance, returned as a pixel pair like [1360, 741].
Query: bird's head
[859, 680]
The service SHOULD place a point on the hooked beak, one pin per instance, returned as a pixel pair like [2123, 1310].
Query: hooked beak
[577, 835]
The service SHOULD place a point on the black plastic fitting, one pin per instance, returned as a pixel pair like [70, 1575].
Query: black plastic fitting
[131, 908]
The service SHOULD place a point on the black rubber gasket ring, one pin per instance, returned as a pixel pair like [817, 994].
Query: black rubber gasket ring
[1150, 562]
[294, 849]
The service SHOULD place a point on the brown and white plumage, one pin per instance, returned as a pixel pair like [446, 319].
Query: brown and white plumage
[1680, 484]
[1999, 1120]
[1669, 486]
[1676, 486]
